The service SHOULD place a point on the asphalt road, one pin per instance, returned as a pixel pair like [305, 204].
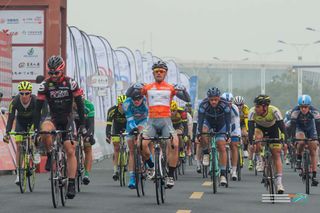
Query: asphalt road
[105, 195]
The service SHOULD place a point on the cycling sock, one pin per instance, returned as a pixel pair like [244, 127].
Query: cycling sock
[171, 171]
[223, 172]
[115, 169]
[71, 180]
[234, 168]
[150, 163]
[314, 174]
[279, 178]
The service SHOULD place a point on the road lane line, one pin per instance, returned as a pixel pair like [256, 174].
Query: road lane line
[183, 211]
[196, 195]
[207, 183]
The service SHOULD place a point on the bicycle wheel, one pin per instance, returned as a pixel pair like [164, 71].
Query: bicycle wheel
[137, 169]
[271, 183]
[227, 174]
[63, 180]
[255, 165]
[142, 177]
[120, 165]
[79, 168]
[239, 165]
[163, 175]
[157, 179]
[31, 170]
[214, 177]
[306, 171]
[54, 179]
[182, 164]
[22, 171]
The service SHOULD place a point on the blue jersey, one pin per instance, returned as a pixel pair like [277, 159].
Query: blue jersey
[304, 121]
[217, 117]
[135, 114]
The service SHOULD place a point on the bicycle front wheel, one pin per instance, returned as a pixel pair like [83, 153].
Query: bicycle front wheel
[54, 179]
[306, 171]
[63, 180]
[137, 171]
[214, 177]
[23, 167]
[157, 179]
[31, 171]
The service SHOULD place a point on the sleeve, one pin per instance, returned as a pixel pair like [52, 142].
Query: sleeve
[316, 116]
[227, 113]
[201, 117]
[80, 108]
[293, 123]
[250, 130]
[129, 115]
[42, 91]
[12, 112]
[277, 114]
[282, 128]
[39, 106]
[75, 88]
[89, 108]
[183, 95]
[110, 117]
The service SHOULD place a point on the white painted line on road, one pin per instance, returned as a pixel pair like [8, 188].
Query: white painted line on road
[196, 195]
[183, 211]
[207, 183]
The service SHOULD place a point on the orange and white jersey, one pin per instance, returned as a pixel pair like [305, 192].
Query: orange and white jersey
[159, 97]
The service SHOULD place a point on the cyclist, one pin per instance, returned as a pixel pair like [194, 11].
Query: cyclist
[180, 124]
[244, 112]
[305, 123]
[235, 134]
[215, 114]
[159, 96]
[60, 90]
[136, 112]
[116, 124]
[23, 104]
[265, 121]
[89, 140]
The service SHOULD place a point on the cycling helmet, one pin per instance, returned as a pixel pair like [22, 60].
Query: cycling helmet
[304, 100]
[55, 63]
[238, 100]
[25, 85]
[262, 100]
[136, 94]
[174, 106]
[228, 96]
[121, 99]
[213, 92]
[160, 65]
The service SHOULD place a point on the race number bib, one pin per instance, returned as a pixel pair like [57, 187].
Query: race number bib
[159, 97]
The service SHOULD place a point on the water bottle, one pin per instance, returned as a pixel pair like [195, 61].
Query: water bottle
[37, 158]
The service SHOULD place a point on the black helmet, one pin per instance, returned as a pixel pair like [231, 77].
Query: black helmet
[55, 63]
[262, 100]
[136, 94]
[160, 64]
[213, 92]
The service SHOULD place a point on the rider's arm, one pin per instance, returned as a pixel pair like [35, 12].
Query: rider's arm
[227, 115]
[12, 112]
[110, 117]
[183, 95]
[129, 115]
[282, 128]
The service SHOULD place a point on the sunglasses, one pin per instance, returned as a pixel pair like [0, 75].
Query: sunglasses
[25, 93]
[137, 98]
[54, 72]
[304, 107]
[159, 71]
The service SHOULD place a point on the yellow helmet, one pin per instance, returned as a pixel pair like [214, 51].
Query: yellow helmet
[174, 106]
[25, 85]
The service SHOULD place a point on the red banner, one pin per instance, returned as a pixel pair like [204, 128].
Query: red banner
[5, 68]
[7, 151]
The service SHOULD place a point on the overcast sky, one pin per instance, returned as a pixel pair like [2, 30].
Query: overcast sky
[202, 29]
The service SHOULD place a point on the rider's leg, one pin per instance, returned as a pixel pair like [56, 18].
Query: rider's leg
[234, 153]
[116, 148]
[276, 156]
[221, 146]
[47, 126]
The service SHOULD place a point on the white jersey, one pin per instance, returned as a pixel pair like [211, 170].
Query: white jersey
[235, 121]
[190, 124]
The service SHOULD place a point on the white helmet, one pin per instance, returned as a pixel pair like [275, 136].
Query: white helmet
[228, 96]
[238, 100]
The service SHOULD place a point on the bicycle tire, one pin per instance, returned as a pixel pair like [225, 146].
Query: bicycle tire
[78, 178]
[239, 165]
[255, 165]
[182, 164]
[214, 178]
[271, 181]
[227, 172]
[306, 171]
[63, 185]
[120, 163]
[137, 169]
[22, 171]
[55, 190]
[163, 174]
[157, 179]
[31, 170]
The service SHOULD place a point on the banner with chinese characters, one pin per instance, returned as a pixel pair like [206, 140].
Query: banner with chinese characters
[27, 62]
[5, 69]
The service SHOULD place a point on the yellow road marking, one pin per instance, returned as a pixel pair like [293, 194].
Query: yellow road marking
[207, 183]
[196, 195]
[183, 211]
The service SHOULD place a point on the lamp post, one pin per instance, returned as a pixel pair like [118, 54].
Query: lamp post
[263, 67]
[230, 68]
[299, 47]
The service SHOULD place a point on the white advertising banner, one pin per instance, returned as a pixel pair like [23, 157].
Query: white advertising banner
[27, 62]
[25, 26]
[138, 58]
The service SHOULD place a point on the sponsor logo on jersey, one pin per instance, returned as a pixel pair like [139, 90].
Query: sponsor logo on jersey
[59, 93]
